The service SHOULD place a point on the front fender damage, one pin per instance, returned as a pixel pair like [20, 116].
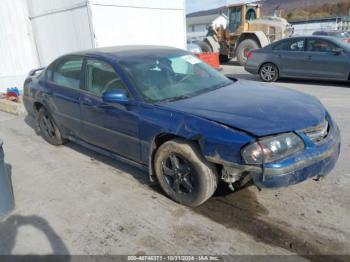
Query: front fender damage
[219, 144]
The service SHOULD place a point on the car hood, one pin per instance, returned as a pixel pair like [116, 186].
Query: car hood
[256, 108]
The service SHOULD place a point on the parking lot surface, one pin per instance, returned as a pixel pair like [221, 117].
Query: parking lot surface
[70, 200]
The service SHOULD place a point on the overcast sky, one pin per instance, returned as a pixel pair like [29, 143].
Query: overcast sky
[197, 5]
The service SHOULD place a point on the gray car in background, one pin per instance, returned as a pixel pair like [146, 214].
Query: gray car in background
[314, 57]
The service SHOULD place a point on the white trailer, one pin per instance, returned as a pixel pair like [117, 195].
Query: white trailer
[62, 26]
[34, 32]
[17, 49]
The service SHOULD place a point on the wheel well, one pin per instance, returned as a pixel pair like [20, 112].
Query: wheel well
[161, 139]
[37, 106]
[349, 77]
[157, 142]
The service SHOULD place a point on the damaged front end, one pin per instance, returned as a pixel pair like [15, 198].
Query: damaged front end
[284, 159]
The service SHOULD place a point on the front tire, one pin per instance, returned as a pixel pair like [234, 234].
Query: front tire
[269, 72]
[205, 47]
[48, 128]
[184, 174]
[243, 48]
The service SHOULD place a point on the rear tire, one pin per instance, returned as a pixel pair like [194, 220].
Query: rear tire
[48, 128]
[269, 72]
[183, 172]
[243, 48]
[205, 47]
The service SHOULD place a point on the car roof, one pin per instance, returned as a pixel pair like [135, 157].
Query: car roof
[306, 36]
[331, 31]
[312, 36]
[334, 40]
[129, 51]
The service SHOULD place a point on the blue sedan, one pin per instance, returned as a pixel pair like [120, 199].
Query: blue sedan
[165, 111]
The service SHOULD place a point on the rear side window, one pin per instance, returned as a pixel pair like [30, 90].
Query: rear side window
[251, 15]
[320, 45]
[67, 73]
[290, 45]
[101, 77]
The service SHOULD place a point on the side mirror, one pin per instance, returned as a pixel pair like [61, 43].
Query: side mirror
[337, 51]
[115, 96]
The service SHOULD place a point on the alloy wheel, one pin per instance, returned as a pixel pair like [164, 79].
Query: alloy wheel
[178, 174]
[47, 126]
[268, 72]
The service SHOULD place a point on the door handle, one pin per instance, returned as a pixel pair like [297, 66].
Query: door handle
[94, 105]
[310, 57]
[279, 56]
[86, 101]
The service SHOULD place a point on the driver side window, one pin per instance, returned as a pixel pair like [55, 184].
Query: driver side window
[320, 45]
[251, 15]
[235, 19]
[101, 77]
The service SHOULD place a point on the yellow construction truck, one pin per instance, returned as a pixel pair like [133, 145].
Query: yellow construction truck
[246, 30]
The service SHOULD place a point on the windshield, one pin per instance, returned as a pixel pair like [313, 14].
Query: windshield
[338, 34]
[342, 44]
[170, 77]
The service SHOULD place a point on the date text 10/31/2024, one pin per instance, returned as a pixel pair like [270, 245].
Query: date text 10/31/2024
[173, 258]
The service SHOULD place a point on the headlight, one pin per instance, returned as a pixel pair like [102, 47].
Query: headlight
[272, 148]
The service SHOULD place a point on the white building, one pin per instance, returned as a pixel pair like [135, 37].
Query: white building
[307, 27]
[310, 26]
[35, 32]
[198, 23]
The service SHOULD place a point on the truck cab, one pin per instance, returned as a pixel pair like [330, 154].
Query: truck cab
[246, 30]
[240, 15]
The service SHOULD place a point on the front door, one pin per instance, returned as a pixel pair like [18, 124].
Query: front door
[290, 56]
[111, 126]
[323, 62]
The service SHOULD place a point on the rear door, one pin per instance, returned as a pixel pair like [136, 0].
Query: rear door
[323, 62]
[290, 57]
[111, 126]
[64, 79]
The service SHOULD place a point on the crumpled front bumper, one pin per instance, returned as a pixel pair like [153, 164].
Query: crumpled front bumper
[316, 160]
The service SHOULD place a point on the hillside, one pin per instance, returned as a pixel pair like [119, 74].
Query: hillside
[307, 9]
[294, 10]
